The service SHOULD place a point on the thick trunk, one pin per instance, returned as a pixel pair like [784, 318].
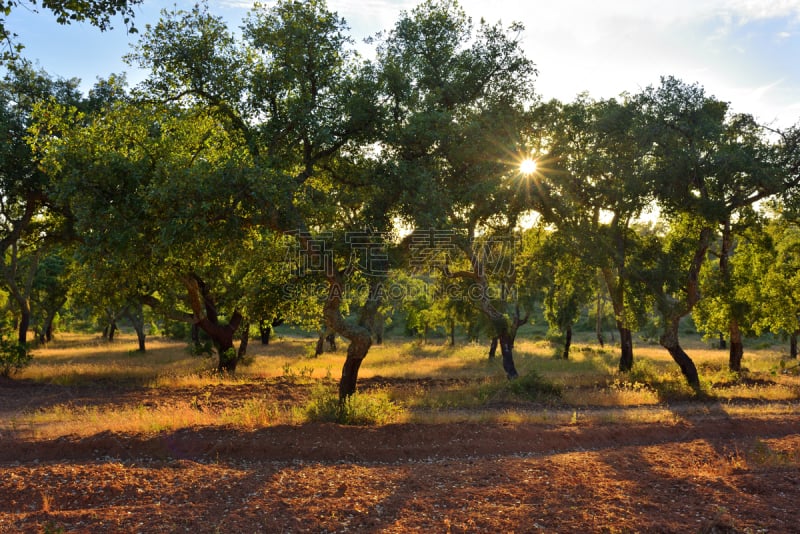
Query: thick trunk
[266, 330]
[244, 340]
[506, 349]
[320, 347]
[136, 317]
[452, 333]
[24, 322]
[616, 290]
[669, 340]
[493, 348]
[206, 317]
[140, 337]
[737, 347]
[47, 327]
[626, 349]
[793, 344]
[356, 352]
[359, 335]
[227, 354]
[567, 342]
[325, 335]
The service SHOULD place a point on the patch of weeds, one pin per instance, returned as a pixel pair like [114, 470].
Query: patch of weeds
[303, 374]
[14, 357]
[360, 409]
[530, 386]
[762, 455]
[669, 386]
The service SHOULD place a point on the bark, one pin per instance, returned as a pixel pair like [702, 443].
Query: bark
[506, 350]
[617, 292]
[793, 343]
[266, 331]
[567, 342]
[244, 340]
[672, 310]
[669, 340]
[109, 331]
[626, 349]
[325, 335]
[320, 348]
[493, 348]
[24, 321]
[598, 325]
[722, 343]
[205, 314]
[46, 335]
[737, 347]
[136, 318]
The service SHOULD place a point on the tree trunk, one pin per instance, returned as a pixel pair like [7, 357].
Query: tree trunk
[493, 348]
[793, 343]
[722, 343]
[626, 349]
[506, 350]
[669, 340]
[206, 317]
[140, 337]
[244, 340]
[24, 321]
[266, 330]
[136, 318]
[598, 324]
[616, 290]
[47, 327]
[737, 347]
[320, 347]
[567, 342]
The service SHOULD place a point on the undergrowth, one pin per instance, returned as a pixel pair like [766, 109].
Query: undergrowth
[359, 409]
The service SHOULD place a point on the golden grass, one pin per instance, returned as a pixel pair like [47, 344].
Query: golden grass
[591, 388]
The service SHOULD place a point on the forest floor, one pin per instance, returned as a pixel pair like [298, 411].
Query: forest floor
[703, 470]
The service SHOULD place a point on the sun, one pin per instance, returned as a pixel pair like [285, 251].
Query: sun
[527, 166]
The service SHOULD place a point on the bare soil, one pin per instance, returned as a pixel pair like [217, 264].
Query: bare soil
[705, 472]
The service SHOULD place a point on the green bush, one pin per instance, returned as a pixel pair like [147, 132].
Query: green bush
[14, 357]
[530, 386]
[533, 386]
[359, 409]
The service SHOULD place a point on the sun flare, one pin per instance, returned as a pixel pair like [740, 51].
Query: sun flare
[527, 166]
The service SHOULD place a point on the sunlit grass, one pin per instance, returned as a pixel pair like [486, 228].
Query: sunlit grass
[444, 384]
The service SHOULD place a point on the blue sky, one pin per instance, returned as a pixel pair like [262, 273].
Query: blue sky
[742, 51]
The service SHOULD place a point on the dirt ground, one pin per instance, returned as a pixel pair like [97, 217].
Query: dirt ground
[707, 472]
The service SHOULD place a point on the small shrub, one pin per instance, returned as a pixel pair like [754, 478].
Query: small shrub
[359, 409]
[14, 357]
[530, 386]
[534, 386]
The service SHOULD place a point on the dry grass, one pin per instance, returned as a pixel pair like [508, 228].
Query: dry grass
[590, 387]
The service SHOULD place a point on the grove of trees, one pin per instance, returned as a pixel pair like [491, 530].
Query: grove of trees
[275, 175]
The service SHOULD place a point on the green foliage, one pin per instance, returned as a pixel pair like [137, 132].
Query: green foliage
[14, 357]
[531, 386]
[359, 409]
